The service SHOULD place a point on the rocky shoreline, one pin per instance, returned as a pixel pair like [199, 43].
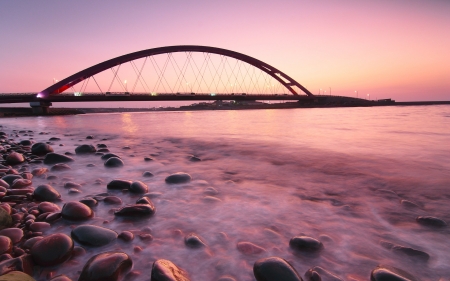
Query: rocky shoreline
[31, 247]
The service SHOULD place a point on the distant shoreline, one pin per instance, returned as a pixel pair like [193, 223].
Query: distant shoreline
[6, 112]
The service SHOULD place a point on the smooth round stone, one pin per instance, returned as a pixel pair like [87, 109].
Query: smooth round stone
[90, 137]
[136, 210]
[275, 269]
[5, 218]
[109, 155]
[5, 245]
[21, 183]
[148, 159]
[76, 211]
[71, 184]
[94, 236]
[16, 276]
[390, 274]
[85, 149]
[102, 145]
[4, 184]
[112, 200]
[305, 243]
[30, 242]
[15, 234]
[126, 236]
[48, 207]
[52, 217]
[39, 226]
[193, 241]
[119, 184]
[138, 187]
[248, 248]
[46, 192]
[60, 278]
[211, 191]
[54, 139]
[55, 158]
[113, 162]
[26, 142]
[165, 270]
[14, 158]
[41, 148]
[178, 178]
[144, 200]
[147, 174]
[60, 167]
[39, 172]
[52, 250]
[90, 202]
[431, 221]
[106, 266]
[9, 179]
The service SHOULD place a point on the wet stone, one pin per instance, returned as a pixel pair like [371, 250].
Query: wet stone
[54, 139]
[102, 145]
[178, 178]
[45, 207]
[136, 210]
[6, 245]
[46, 192]
[55, 158]
[15, 234]
[76, 211]
[193, 158]
[193, 241]
[317, 273]
[39, 226]
[21, 183]
[4, 183]
[109, 155]
[431, 221]
[119, 184]
[106, 266]
[138, 187]
[90, 137]
[90, 202]
[126, 236]
[85, 149]
[382, 273]
[39, 172]
[60, 167]
[165, 270]
[147, 174]
[14, 158]
[53, 217]
[144, 200]
[9, 179]
[275, 269]
[52, 250]
[305, 243]
[248, 248]
[30, 242]
[41, 148]
[94, 236]
[26, 142]
[113, 162]
[73, 191]
[148, 159]
[71, 184]
[112, 200]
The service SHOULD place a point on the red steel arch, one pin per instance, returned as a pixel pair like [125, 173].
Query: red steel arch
[76, 78]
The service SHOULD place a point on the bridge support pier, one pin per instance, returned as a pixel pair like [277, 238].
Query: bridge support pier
[40, 107]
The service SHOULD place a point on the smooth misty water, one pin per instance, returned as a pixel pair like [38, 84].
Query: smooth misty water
[325, 173]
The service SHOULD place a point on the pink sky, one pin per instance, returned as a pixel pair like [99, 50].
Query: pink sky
[388, 49]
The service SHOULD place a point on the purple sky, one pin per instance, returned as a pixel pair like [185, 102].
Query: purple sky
[387, 48]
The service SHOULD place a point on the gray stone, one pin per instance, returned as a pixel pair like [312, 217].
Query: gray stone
[94, 236]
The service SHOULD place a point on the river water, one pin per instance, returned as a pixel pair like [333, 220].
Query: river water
[337, 175]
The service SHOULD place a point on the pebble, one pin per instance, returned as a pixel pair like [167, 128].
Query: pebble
[248, 248]
[431, 221]
[15, 234]
[76, 211]
[6, 245]
[113, 162]
[165, 270]
[144, 200]
[41, 148]
[94, 236]
[90, 202]
[126, 236]
[4, 183]
[178, 178]
[112, 200]
[39, 226]
[411, 252]
[136, 210]
[193, 158]
[119, 184]
[60, 167]
[382, 273]
[85, 149]
[30, 242]
[147, 174]
[45, 207]
[317, 273]
[14, 158]
[39, 172]
[192, 240]
[109, 155]
[138, 187]
[52, 250]
[305, 243]
[55, 158]
[111, 266]
[71, 184]
[275, 269]
[9, 179]
[46, 192]
[90, 137]
[21, 183]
